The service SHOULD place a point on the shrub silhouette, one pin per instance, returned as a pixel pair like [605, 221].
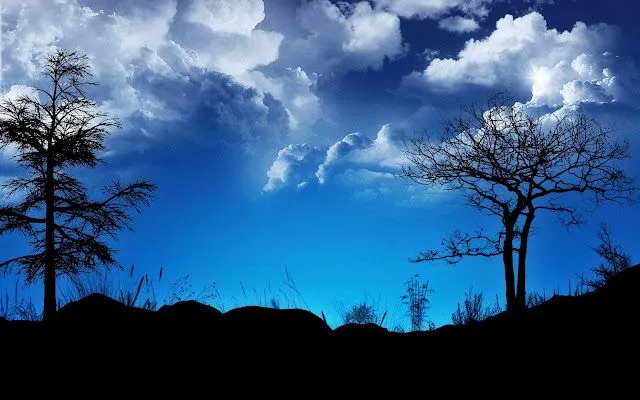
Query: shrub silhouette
[417, 302]
[474, 309]
[362, 313]
[614, 260]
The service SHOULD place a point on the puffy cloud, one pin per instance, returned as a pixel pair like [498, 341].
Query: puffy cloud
[433, 8]
[458, 24]
[212, 108]
[295, 89]
[223, 35]
[341, 150]
[558, 67]
[380, 156]
[294, 165]
[361, 160]
[344, 36]
[368, 167]
[221, 16]
[354, 159]
[17, 91]
[579, 91]
[167, 38]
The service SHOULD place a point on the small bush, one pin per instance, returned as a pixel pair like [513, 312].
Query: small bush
[417, 302]
[614, 260]
[473, 309]
[364, 312]
[18, 308]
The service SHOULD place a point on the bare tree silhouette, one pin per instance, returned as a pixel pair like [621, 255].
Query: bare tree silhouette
[511, 165]
[50, 133]
[614, 259]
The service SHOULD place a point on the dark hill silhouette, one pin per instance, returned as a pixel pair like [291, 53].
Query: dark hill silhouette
[191, 311]
[97, 308]
[360, 330]
[286, 323]
[189, 327]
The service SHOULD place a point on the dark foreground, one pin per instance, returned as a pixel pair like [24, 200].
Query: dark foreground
[98, 327]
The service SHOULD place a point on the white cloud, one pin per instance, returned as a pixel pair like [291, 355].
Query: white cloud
[386, 149]
[381, 156]
[340, 151]
[294, 165]
[363, 177]
[458, 24]
[166, 37]
[17, 91]
[295, 89]
[433, 8]
[344, 36]
[558, 67]
[222, 16]
[355, 158]
[218, 46]
[369, 168]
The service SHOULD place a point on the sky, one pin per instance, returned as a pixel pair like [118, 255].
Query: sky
[274, 128]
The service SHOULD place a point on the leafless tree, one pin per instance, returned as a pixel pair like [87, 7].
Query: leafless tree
[511, 165]
[614, 259]
[50, 133]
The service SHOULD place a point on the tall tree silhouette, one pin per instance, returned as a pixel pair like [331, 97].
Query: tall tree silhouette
[511, 165]
[51, 132]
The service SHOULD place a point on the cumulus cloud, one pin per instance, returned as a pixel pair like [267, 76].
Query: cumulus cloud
[458, 24]
[341, 150]
[294, 165]
[17, 91]
[224, 36]
[341, 37]
[355, 158]
[366, 160]
[165, 37]
[557, 67]
[295, 89]
[367, 166]
[221, 16]
[433, 8]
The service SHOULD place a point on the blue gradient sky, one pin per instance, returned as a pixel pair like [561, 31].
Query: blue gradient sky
[273, 130]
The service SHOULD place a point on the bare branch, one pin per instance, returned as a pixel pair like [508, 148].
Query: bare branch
[459, 245]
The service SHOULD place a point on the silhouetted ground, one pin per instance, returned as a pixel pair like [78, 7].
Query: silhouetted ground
[102, 327]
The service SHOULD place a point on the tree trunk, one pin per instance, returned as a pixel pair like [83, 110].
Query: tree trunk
[49, 307]
[521, 299]
[507, 257]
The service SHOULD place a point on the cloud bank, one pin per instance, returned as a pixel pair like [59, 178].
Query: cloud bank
[433, 9]
[559, 68]
[168, 38]
[342, 37]
[356, 158]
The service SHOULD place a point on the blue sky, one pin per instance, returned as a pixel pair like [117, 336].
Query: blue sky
[273, 130]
